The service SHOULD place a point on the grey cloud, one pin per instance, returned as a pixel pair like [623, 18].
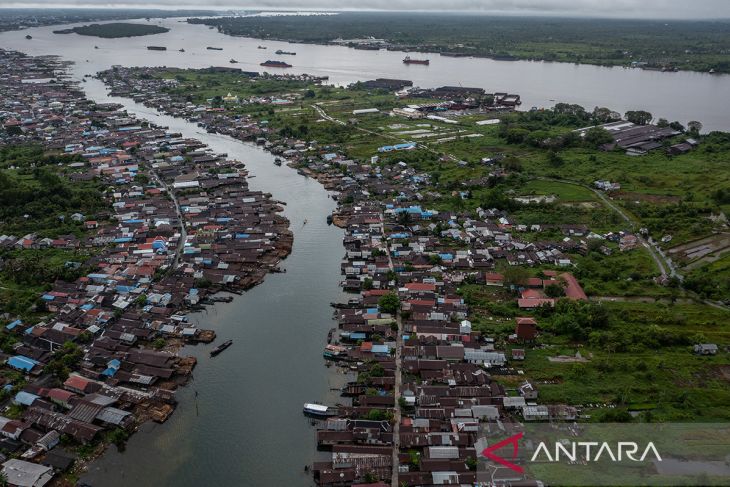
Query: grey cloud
[677, 9]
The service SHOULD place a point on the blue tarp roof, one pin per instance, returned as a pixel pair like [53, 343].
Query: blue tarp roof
[12, 325]
[242, 235]
[380, 349]
[22, 363]
[122, 240]
[358, 335]
[25, 398]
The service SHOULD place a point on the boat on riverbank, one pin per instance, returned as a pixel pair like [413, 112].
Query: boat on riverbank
[217, 350]
[410, 60]
[285, 53]
[318, 410]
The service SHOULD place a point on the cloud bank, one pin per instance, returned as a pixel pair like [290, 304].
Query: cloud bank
[674, 9]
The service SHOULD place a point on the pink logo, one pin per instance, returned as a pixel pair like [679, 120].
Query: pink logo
[512, 440]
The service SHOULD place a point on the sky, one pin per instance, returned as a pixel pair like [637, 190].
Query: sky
[671, 9]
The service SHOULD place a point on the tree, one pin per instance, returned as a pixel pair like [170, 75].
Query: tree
[389, 303]
[695, 127]
[639, 117]
[554, 291]
[597, 136]
[516, 275]
[604, 115]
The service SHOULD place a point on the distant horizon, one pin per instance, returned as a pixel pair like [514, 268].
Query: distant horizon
[514, 11]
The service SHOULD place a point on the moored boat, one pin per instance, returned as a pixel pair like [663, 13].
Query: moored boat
[221, 347]
[320, 410]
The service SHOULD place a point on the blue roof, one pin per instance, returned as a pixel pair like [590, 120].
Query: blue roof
[22, 363]
[48, 297]
[358, 335]
[87, 307]
[242, 235]
[372, 310]
[25, 398]
[380, 349]
[446, 256]
[12, 325]
[122, 240]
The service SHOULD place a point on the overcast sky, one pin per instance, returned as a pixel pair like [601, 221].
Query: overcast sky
[677, 9]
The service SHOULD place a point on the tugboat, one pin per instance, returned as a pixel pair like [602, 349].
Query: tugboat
[181, 50]
[408, 60]
[221, 347]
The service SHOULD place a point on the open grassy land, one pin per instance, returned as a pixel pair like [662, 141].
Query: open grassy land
[634, 355]
[698, 46]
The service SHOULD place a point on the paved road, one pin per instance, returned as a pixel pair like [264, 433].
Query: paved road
[398, 380]
[183, 230]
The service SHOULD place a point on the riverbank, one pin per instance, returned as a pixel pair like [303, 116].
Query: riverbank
[643, 44]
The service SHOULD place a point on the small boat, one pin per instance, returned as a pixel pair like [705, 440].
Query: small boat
[329, 218]
[221, 347]
[285, 53]
[214, 48]
[409, 60]
[262, 47]
[29, 37]
[314, 409]
[156, 48]
[233, 61]
[181, 50]
[277, 162]
[96, 47]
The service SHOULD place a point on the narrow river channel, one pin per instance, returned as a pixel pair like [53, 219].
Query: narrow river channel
[246, 427]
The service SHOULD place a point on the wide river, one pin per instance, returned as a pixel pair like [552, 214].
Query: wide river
[682, 96]
[239, 422]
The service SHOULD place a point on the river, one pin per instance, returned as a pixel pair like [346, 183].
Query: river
[245, 426]
[682, 96]
[239, 422]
